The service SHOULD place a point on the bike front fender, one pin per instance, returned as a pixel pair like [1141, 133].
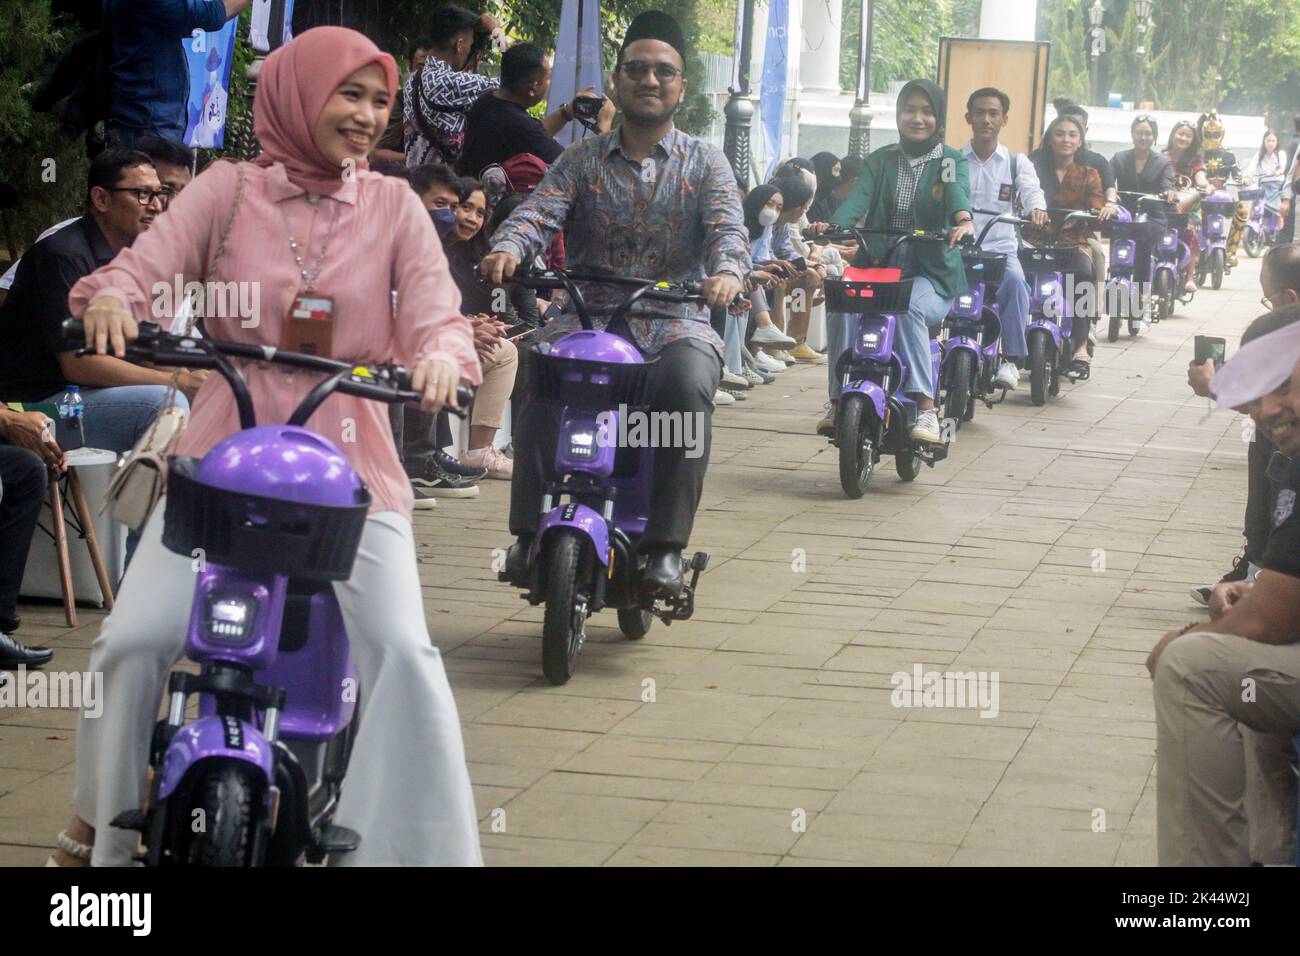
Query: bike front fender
[214, 738]
[580, 518]
[873, 392]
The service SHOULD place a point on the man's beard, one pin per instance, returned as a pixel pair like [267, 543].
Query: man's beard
[637, 117]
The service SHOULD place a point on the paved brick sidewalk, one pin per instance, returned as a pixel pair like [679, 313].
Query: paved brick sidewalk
[1053, 547]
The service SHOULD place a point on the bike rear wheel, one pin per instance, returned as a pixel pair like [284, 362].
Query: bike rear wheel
[1112, 333]
[1218, 264]
[634, 622]
[1253, 243]
[1162, 295]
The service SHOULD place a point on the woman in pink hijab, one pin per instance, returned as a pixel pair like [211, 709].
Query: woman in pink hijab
[366, 242]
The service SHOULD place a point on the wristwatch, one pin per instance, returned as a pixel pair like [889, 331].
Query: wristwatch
[567, 112]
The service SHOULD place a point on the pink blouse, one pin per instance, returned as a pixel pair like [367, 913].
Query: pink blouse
[383, 241]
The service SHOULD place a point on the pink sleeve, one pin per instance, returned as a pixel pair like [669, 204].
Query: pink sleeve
[176, 244]
[428, 322]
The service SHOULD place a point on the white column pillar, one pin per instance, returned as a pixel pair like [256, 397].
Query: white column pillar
[1008, 19]
[819, 49]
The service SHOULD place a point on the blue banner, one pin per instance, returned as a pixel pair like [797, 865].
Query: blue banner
[578, 63]
[772, 92]
[208, 57]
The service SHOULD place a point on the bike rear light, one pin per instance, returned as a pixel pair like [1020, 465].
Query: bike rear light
[860, 274]
[229, 618]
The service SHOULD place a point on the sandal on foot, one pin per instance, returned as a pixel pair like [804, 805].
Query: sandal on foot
[78, 851]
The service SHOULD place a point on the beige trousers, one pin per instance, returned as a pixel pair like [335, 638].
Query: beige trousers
[1226, 710]
[498, 382]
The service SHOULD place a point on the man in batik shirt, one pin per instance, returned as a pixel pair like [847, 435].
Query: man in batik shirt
[643, 200]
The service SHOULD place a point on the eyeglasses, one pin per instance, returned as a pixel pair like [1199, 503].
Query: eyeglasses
[145, 196]
[636, 70]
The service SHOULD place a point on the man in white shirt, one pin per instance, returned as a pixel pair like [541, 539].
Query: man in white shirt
[1000, 183]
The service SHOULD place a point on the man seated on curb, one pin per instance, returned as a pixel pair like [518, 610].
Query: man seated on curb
[37, 365]
[1279, 278]
[1227, 693]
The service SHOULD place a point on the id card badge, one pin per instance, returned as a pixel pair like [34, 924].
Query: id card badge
[1004, 192]
[309, 327]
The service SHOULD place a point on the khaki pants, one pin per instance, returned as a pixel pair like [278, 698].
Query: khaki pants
[1226, 710]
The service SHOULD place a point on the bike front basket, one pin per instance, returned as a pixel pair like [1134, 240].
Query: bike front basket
[1251, 194]
[586, 384]
[1177, 220]
[256, 534]
[986, 267]
[1050, 258]
[854, 296]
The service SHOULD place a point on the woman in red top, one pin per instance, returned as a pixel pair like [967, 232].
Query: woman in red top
[309, 217]
[1069, 185]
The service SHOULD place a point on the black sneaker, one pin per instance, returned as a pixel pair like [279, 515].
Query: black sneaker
[1240, 568]
[429, 475]
[457, 468]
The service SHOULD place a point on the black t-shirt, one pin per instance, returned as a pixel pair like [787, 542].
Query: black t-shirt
[1086, 157]
[496, 129]
[1282, 554]
[31, 336]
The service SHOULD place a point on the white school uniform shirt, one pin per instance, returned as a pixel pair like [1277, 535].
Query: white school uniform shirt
[991, 188]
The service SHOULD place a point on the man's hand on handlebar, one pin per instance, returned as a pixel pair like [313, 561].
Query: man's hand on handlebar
[496, 267]
[720, 289]
[109, 323]
[960, 231]
[437, 379]
[1039, 217]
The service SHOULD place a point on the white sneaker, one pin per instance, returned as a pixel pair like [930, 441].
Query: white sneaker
[1008, 376]
[723, 398]
[423, 500]
[781, 355]
[734, 380]
[926, 428]
[771, 335]
[767, 363]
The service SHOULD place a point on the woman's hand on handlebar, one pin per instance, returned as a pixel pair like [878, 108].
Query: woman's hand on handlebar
[109, 322]
[1107, 211]
[816, 228]
[719, 290]
[496, 267]
[960, 231]
[437, 379]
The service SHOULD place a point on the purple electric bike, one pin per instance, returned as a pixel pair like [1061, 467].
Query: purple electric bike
[272, 515]
[584, 556]
[1265, 223]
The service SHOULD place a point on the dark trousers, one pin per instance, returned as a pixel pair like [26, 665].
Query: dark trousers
[419, 433]
[1080, 323]
[1261, 494]
[683, 380]
[22, 490]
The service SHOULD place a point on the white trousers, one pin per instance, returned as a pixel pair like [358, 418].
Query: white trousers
[407, 791]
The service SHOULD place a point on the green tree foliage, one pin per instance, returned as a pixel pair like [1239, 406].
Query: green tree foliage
[905, 38]
[48, 171]
[1249, 50]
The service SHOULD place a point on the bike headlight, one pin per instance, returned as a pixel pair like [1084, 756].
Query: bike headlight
[871, 340]
[965, 301]
[1123, 252]
[1047, 288]
[582, 444]
[230, 618]
[1166, 242]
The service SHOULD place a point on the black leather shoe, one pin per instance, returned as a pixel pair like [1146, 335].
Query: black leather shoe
[516, 569]
[10, 624]
[13, 654]
[663, 572]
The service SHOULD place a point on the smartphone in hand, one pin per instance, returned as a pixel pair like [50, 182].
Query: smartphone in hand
[1210, 347]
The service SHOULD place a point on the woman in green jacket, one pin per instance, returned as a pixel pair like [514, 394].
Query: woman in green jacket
[919, 183]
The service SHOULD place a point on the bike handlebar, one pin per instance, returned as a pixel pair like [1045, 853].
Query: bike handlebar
[679, 293]
[382, 383]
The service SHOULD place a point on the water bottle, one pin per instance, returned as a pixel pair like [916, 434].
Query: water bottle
[72, 412]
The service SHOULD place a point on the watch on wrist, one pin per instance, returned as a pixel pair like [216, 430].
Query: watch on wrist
[567, 112]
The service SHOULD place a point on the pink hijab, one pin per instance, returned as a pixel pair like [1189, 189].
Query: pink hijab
[296, 82]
